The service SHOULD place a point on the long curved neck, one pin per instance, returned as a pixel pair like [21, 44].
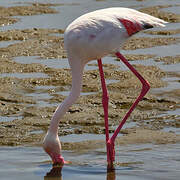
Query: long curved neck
[77, 67]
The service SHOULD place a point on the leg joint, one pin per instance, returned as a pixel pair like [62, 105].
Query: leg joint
[145, 87]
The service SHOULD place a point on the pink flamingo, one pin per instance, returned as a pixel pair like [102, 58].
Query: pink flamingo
[93, 36]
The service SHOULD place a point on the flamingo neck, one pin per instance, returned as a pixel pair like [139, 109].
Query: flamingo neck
[77, 72]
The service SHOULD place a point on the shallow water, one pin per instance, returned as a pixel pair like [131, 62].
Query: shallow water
[7, 43]
[51, 63]
[146, 162]
[24, 75]
[8, 118]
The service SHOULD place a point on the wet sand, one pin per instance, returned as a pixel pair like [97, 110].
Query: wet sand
[25, 120]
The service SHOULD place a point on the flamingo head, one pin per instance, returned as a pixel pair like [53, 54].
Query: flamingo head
[52, 147]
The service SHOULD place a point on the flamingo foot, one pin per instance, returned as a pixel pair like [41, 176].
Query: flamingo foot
[110, 154]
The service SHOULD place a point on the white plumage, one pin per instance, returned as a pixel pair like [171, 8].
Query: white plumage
[98, 33]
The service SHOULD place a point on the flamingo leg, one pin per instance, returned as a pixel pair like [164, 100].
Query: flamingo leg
[145, 88]
[105, 99]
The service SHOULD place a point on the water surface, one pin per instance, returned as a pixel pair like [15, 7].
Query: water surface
[146, 162]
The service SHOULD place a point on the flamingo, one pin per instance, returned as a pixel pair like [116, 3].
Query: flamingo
[91, 37]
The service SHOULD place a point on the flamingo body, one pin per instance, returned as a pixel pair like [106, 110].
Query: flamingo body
[93, 36]
[102, 32]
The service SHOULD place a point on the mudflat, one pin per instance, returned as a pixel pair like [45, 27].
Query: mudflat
[25, 120]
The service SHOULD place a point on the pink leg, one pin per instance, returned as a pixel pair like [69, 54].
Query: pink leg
[145, 88]
[105, 98]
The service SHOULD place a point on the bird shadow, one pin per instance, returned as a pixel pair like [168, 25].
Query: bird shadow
[56, 174]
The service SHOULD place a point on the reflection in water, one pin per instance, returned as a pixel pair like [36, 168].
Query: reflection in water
[111, 175]
[56, 174]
